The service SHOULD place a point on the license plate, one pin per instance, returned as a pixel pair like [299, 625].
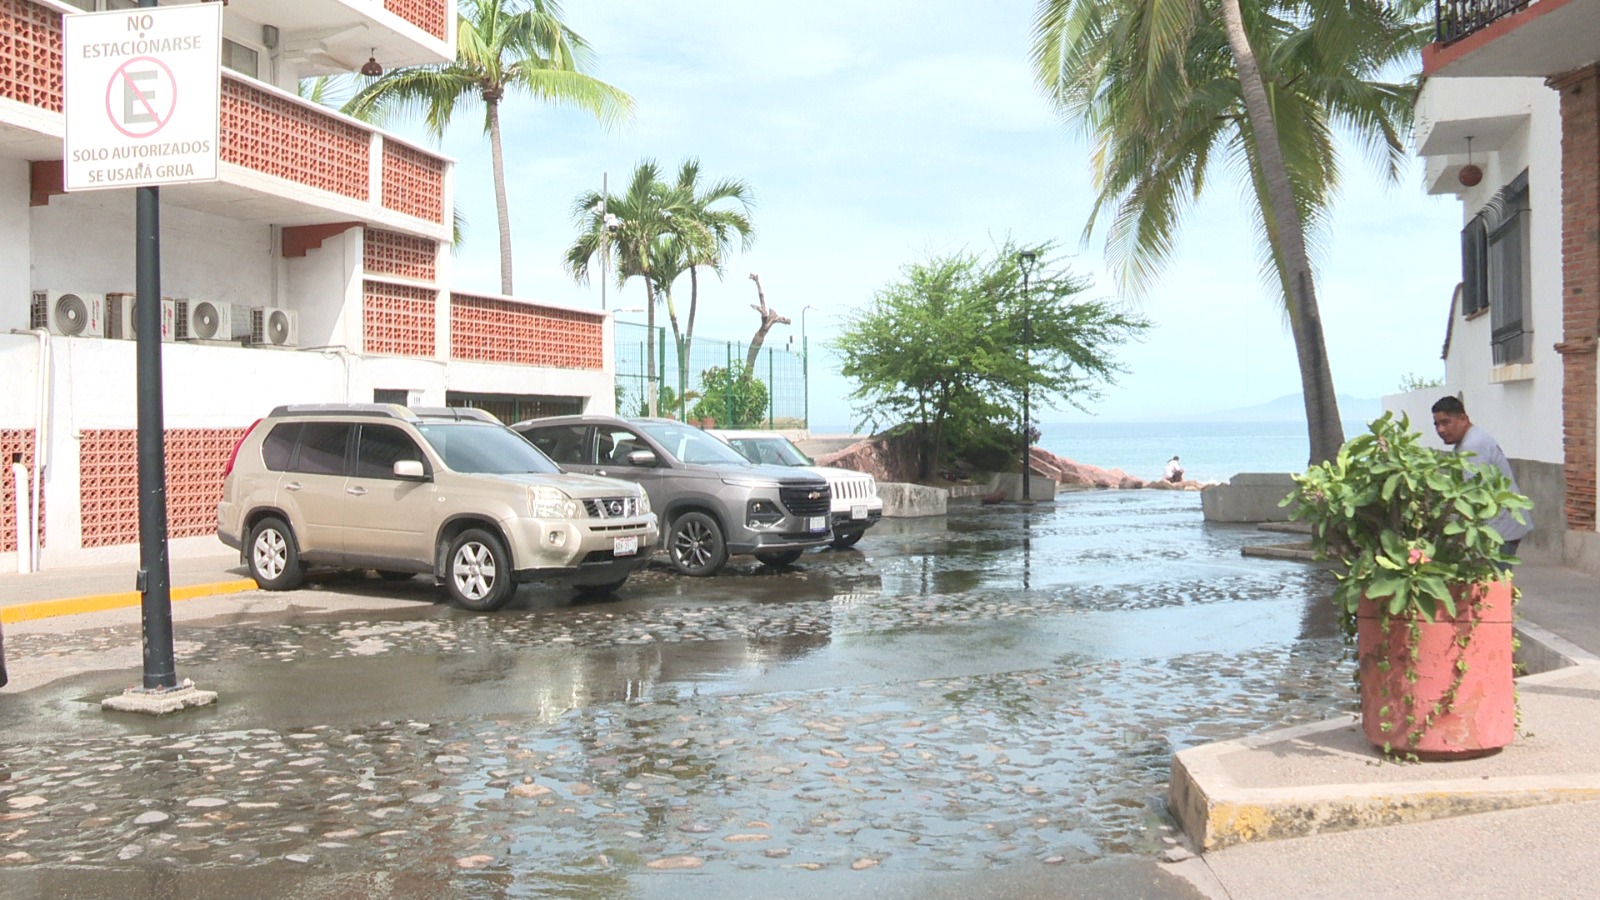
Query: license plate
[817, 524]
[625, 546]
[859, 511]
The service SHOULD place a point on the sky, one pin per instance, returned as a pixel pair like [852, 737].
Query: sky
[876, 135]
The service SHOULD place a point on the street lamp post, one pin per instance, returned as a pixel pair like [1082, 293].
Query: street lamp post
[805, 363]
[1027, 258]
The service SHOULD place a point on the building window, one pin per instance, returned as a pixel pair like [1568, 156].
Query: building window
[239, 58]
[1496, 272]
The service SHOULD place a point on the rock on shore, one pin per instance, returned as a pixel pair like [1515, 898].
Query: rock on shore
[881, 459]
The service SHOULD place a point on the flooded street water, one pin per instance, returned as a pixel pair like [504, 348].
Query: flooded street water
[998, 691]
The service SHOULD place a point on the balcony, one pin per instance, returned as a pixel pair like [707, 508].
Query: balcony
[1484, 38]
[285, 161]
[330, 37]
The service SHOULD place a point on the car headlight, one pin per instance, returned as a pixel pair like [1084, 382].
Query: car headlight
[552, 503]
[644, 502]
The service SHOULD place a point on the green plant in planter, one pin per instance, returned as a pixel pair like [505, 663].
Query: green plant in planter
[1404, 521]
[1408, 527]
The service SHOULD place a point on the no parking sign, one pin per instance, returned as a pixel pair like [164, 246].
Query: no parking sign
[142, 96]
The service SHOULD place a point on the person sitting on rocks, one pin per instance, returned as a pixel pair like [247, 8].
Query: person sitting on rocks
[1174, 470]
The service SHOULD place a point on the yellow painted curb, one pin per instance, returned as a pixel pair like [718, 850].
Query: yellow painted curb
[71, 606]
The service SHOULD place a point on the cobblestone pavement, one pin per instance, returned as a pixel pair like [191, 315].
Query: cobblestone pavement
[912, 708]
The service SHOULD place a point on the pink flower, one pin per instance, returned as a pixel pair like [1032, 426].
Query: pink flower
[1418, 557]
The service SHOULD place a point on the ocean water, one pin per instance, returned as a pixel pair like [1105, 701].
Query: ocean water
[1209, 451]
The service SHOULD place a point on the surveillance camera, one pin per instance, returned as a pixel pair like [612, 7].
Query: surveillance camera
[612, 222]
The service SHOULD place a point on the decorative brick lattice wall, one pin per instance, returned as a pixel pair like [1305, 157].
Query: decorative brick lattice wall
[30, 54]
[397, 318]
[278, 136]
[391, 253]
[499, 331]
[425, 14]
[15, 441]
[1580, 255]
[413, 182]
[108, 463]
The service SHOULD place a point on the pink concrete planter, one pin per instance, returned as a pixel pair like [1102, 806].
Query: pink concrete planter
[1481, 718]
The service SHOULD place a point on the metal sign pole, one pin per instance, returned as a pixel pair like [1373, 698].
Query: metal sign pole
[154, 575]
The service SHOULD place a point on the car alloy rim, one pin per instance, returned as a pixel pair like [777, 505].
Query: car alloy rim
[474, 571]
[691, 545]
[270, 553]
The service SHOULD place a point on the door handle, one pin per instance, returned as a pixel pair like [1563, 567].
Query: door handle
[358, 491]
[292, 486]
[600, 472]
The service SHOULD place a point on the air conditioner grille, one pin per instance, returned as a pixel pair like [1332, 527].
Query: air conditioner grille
[71, 314]
[270, 327]
[205, 322]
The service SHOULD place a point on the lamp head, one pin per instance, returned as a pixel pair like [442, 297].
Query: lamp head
[371, 67]
[1027, 258]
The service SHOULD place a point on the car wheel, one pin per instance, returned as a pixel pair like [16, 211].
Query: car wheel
[778, 558]
[599, 590]
[477, 572]
[274, 559]
[847, 539]
[391, 575]
[695, 545]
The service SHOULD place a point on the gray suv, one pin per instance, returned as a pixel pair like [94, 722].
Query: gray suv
[450, 493]
[712, 501]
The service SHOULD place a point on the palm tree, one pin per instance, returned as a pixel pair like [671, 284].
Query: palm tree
[715, 228]
[1165, 88]
[501, 46]
[644, 218]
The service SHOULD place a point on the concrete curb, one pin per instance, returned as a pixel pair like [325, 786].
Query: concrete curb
[1216, 809]
[71, 606]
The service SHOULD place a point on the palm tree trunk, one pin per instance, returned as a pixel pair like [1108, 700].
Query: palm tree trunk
[688, 332]
[1325, 431]
[501, 206]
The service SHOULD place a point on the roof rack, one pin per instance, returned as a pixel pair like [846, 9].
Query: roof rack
[386, 410]
[457, 413]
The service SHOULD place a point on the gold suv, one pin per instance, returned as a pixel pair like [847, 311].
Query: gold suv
[450, 493]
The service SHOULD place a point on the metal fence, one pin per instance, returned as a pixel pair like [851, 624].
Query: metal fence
[711, 382]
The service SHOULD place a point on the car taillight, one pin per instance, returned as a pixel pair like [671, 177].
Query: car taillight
[228, 469]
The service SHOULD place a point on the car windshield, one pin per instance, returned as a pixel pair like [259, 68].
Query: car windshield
[691, 445]
[775, 450]
[484, 449]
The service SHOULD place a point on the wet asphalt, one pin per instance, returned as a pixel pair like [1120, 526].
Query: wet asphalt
[984, 704]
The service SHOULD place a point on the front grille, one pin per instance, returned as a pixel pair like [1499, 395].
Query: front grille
[612, 507]
[852, 489]
[805, 501]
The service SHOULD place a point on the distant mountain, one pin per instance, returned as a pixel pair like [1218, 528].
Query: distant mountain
[1291, 408]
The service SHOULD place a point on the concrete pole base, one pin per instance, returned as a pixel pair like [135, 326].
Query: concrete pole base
[159, 701]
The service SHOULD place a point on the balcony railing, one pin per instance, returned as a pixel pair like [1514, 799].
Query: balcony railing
[1456, 19]
[429, 15]
[30, 54]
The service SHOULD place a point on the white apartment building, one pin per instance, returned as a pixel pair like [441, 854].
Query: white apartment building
[316, 269]
[1509, 122]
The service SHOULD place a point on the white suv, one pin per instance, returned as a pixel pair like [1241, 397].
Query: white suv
[450, 493]
[856, 505]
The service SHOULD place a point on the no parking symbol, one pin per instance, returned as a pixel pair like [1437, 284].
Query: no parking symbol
[143, 96]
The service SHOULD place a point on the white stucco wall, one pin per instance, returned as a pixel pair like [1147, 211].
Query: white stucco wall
[15, 289]
[1517, 126]
[85, 242]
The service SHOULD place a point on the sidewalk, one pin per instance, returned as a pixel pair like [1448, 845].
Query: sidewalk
[73, 590]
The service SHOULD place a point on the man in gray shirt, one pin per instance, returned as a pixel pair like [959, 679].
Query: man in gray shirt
[1453, 427]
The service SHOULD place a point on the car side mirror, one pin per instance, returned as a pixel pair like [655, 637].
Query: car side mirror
[409, 470]
[642, 458]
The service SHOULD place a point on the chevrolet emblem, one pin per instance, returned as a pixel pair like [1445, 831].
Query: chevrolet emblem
[814, 495]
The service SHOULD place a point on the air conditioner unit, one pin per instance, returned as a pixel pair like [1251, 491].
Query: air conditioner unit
[273, 327]
[121, 321]
[212, 320]
[70, 314]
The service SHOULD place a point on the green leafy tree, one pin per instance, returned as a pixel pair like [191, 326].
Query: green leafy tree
[502, 46]
[734, 400]
[947, 340]
[1169, 89]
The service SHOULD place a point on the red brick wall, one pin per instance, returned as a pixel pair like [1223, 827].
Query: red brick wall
[12, 441]
[397, 319]
[1580, 253]
[31, 47]
[392, 253]
[498, 331]
[108, 483]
